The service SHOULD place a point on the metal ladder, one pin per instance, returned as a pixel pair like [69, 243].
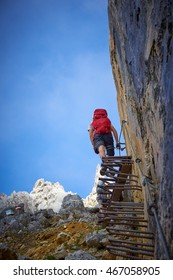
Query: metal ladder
[124, 218]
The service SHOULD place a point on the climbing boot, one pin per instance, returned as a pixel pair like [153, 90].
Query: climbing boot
[103, 171]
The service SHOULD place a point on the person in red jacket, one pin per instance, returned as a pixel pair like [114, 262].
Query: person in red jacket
[101, 133]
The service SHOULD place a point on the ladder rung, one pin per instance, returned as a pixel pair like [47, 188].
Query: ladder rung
[129, 247]
[118, 173]
[127, 224]
[131, 251]
[122, 209]
[130, 230]
[128, 203]
[134, 235]
[125, 188]
[117, 157]
[111, 179]
[120, 185]
[128, 180]
[124, 212]
[130, 242]
[127, 219]
[126, 207]
[126, 256]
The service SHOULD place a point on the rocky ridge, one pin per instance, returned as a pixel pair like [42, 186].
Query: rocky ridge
[72, 233]
[50, 223]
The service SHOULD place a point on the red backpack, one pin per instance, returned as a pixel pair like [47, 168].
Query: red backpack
[101, 123]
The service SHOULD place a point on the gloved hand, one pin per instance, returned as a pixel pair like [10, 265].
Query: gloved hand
[118, 146]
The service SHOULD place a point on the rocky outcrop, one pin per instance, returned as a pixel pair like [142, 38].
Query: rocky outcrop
[50, 223]
[46, 195]
[91, 199]
[141, 42]
[80, 255]
[23, 222]
[70, 234]
[17, 198]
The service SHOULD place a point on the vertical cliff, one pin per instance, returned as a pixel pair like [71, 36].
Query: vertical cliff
[141, 42]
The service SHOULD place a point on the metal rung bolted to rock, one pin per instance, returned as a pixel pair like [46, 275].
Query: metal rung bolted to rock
[125, 221]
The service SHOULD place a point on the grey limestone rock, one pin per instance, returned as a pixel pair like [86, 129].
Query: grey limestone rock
[80, 255]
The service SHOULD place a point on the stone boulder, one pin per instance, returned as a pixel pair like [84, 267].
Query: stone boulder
[80, 255]
[72, 207]
[96, 239]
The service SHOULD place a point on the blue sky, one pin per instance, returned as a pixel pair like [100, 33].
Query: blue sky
[55, 70]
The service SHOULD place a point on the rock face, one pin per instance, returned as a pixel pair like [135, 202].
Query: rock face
[16, 199]
[79, 255]
[70, 234]
[141, 42]
[50, 223]
[46, 195]
[91, 199]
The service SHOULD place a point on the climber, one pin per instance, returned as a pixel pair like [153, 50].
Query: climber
[101, 133]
